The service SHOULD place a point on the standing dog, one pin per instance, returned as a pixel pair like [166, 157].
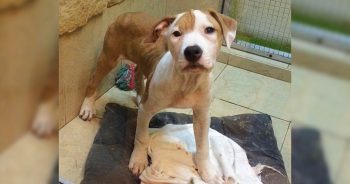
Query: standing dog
[176, 55]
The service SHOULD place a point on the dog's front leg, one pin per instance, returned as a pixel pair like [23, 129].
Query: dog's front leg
[138, 160]
[201, 124]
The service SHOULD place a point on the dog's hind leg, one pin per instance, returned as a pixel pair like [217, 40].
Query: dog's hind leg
[106, 62]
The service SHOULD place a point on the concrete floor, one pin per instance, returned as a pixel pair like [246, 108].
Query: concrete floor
[236, 91]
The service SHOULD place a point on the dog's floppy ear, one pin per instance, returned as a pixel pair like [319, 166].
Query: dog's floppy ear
[228, 26]
[159, 28]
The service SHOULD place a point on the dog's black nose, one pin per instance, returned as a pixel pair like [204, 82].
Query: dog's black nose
[193, 53]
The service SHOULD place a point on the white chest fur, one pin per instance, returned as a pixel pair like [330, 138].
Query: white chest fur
[171, 88]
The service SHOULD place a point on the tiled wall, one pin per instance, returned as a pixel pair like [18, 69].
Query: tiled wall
[78, 51]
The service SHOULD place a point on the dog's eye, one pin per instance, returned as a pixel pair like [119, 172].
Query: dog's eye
[209, 30]
[176, 33]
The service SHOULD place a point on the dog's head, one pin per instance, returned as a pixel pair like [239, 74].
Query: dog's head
[195, 37]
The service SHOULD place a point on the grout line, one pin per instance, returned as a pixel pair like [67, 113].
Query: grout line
[284, 139]
[290, 154]
[254, 110]
[220, 72]
[64, 125]
[95, 106]
[256, 73]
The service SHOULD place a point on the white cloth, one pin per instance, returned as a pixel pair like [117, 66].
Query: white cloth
[172, 148]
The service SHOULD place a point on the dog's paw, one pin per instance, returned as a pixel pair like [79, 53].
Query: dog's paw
[138, 161]
[208, 173]
[45, 121]
[87, 110]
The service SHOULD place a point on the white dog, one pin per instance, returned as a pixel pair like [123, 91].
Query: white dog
[176, 55]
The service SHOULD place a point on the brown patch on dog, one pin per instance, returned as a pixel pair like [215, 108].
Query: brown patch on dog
[159, 28]
[186, 22]
[226, 23]
[218, 29]
[135, 28]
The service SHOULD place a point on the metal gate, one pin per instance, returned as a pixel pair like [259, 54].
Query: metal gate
[263, 27]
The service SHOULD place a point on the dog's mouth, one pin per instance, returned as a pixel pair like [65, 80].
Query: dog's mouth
[194, 67]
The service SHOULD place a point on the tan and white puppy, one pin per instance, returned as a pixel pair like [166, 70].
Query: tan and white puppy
[176, 55]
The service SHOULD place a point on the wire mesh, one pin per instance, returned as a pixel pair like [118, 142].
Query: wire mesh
[263, 26]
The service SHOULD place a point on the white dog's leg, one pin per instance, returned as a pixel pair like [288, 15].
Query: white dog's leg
[87, 110]
[138, 160]
[201, 123]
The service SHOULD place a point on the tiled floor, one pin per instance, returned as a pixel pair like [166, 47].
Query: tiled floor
[29, 160]
[75, 140]
[321, 102]
[236, 91]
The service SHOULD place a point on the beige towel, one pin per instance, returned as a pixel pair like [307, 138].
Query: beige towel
[76, 13]
[172, 147]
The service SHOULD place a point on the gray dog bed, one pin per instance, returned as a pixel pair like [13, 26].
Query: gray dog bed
[107, 162]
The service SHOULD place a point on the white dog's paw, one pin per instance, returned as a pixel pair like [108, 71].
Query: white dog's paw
[45, 120]
[138, 161]
[87, 110]
[208, 173]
